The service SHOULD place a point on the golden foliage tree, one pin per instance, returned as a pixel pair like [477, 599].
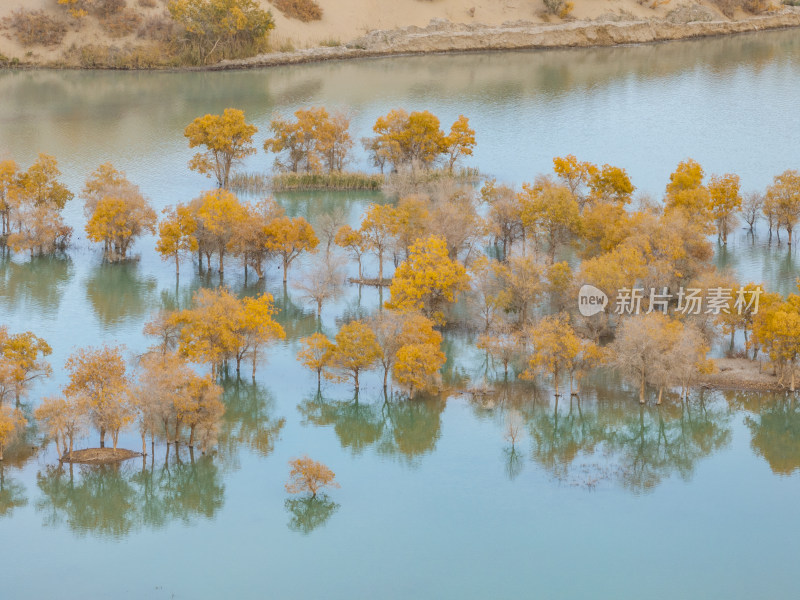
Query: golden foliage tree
[9, 193]
[229, 28]
[394, 330]
[12, 422]
[65, 421]
[99, 375]
[355, 350]
[686, 192]
[783, 196]
[552, 213]
[557, 350]
[428, 280]
[23, 357]
[227, 139]
[176, 235]
[417, 366]
[40, 185]
[117, 221]
[404, 139]
[354, 242]
[219, 327]
[218, 215]
[377, 229]
[288, 238]
[459, 142]
[315, 141]
[315, 353]
[309, 476]
[726, 201]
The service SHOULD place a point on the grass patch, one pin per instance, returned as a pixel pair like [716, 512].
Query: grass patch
[331, 43]
[327, 181]
[302, 10]
[249, 183]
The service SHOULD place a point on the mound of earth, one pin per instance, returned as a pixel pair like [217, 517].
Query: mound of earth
[99, 456]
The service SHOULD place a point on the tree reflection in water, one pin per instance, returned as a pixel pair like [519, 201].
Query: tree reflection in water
[248, 421]
[119, 293]
[607, 436]
[401, 428]
[114, 500]
[12, 493]
[774, 424]
[37, 284]
[309, 513]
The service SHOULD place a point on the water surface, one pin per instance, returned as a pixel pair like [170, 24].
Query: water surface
[695, 500]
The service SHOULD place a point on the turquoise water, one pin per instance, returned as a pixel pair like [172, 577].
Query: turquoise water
[600, 498]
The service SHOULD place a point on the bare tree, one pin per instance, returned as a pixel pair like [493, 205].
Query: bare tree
[752, 206]
[322, 283]
[327, 226]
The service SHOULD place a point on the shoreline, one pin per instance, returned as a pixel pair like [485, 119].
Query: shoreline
[445, 37]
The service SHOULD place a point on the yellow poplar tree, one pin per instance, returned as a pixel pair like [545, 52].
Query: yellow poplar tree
[227, 140]
[356, 349]
[100, 376]
[428, 280]
[417, 366]
[726, 201]
[459, 142]
[315, 353]
[25, 353]
[220, 214]
[12, 422]
[176, 235]
[289, 238]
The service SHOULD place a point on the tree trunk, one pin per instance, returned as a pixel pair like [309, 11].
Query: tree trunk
[102, 437]
[641, 389]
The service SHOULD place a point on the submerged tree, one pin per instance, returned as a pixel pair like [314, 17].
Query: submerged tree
[99, 375]
[227, 138]
[309, 476]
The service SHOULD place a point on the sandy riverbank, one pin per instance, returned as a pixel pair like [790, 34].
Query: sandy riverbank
[443, 36]
[741, 374]
[361, 28]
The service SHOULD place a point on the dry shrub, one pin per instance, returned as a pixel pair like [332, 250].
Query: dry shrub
[93, 56]
[35, 27]
[756, 7]
[303, 10]
[159, 28]
[147, 3]
[107, 8]
[122, 23]
[559, 8]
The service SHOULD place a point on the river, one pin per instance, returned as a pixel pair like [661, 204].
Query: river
[683, 501]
